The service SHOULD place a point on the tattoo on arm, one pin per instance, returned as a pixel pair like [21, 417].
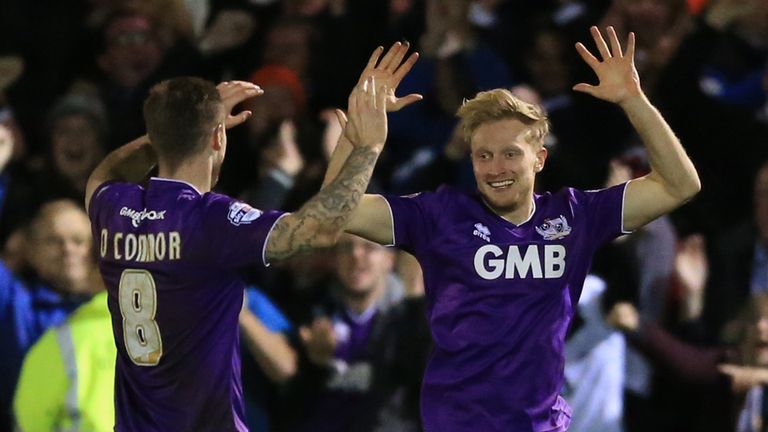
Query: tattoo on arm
[327, 212]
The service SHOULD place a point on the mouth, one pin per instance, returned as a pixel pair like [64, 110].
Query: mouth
[503, 184]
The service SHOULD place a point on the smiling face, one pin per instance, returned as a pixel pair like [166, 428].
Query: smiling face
[505, 163]
[75, 146]
[60, 246]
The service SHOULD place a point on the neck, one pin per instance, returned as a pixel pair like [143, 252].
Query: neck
[516, 215]
[196, 172]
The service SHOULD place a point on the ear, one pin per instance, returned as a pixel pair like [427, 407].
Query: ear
[541, 158]
[219, 138]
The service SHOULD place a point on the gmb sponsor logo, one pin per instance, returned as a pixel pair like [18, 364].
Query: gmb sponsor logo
[139, 215]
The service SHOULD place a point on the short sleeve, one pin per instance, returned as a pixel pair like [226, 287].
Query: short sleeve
[604, 212]
[102, 199]
[266, 311]
[412, 219]
[237, 232]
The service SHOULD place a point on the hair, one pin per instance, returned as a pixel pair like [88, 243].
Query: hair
[180, 115]
[79, 104]
[500, 104]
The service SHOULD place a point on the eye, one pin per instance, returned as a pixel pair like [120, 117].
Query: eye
[545, 226]
[484, 156]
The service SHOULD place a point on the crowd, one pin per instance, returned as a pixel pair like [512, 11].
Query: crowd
[672, 328]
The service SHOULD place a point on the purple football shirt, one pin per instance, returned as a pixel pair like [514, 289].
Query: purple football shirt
[170, 257]
[500, 298]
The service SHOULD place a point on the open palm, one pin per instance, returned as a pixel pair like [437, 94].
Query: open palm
[616, 72]
[390, 71]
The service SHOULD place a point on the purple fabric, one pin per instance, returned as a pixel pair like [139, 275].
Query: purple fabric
[190, 246]
[500, 298]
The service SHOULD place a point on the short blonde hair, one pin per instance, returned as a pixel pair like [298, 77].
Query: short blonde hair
[500, 104]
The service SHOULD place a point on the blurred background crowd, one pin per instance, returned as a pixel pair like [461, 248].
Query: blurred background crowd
[672, 328]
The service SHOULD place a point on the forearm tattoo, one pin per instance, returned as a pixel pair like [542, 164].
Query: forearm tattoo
[328, 211]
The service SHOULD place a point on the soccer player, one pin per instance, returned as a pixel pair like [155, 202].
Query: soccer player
[171, 252]
[504, 267]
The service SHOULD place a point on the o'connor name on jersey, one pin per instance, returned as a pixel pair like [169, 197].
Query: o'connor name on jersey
[150, 247]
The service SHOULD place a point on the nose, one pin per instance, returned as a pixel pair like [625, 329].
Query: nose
[497, 166]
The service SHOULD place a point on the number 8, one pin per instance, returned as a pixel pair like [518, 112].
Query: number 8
[138, 303]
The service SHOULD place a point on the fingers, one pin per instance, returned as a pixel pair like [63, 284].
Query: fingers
[373, 59]
[587, 56]
[404, 68]
[585, 88]
[398, 58]
[630, 46]
[405, 101]
[602, 47]
[614, 40]
[235, 120]
[341, 117]
[229, 88]
[390, 56]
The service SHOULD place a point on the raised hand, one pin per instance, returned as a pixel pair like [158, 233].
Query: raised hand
[389, 71]
[367, 125]
[616, 71]
[319, 340]
[234, 92]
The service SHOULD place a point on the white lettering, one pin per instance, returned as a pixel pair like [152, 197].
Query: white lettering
[103, 243]
[138, 216]
[174, 240]
[497, 265]
[130, 247]
[530, 263]
[160, 247]
[524, 264]
[554, 260]
[117, 238]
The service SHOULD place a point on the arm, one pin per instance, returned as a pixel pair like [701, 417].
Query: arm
[133, 161]
[271, 349]
[673, 179]
[322, 219]
[690, 362]
[371, 219]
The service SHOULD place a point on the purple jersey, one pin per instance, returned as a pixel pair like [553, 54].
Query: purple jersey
[170, 257]
[500, 298]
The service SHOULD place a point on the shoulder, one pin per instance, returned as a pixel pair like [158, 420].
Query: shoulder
[222, 206]
[114, 189]
[447, 196]
[112, 193]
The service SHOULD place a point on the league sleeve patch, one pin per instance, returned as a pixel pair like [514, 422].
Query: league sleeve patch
[241, 213]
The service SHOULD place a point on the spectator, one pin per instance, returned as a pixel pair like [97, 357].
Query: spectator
[77, 131]
[358, 376]
[63, 277]
[67, 379]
